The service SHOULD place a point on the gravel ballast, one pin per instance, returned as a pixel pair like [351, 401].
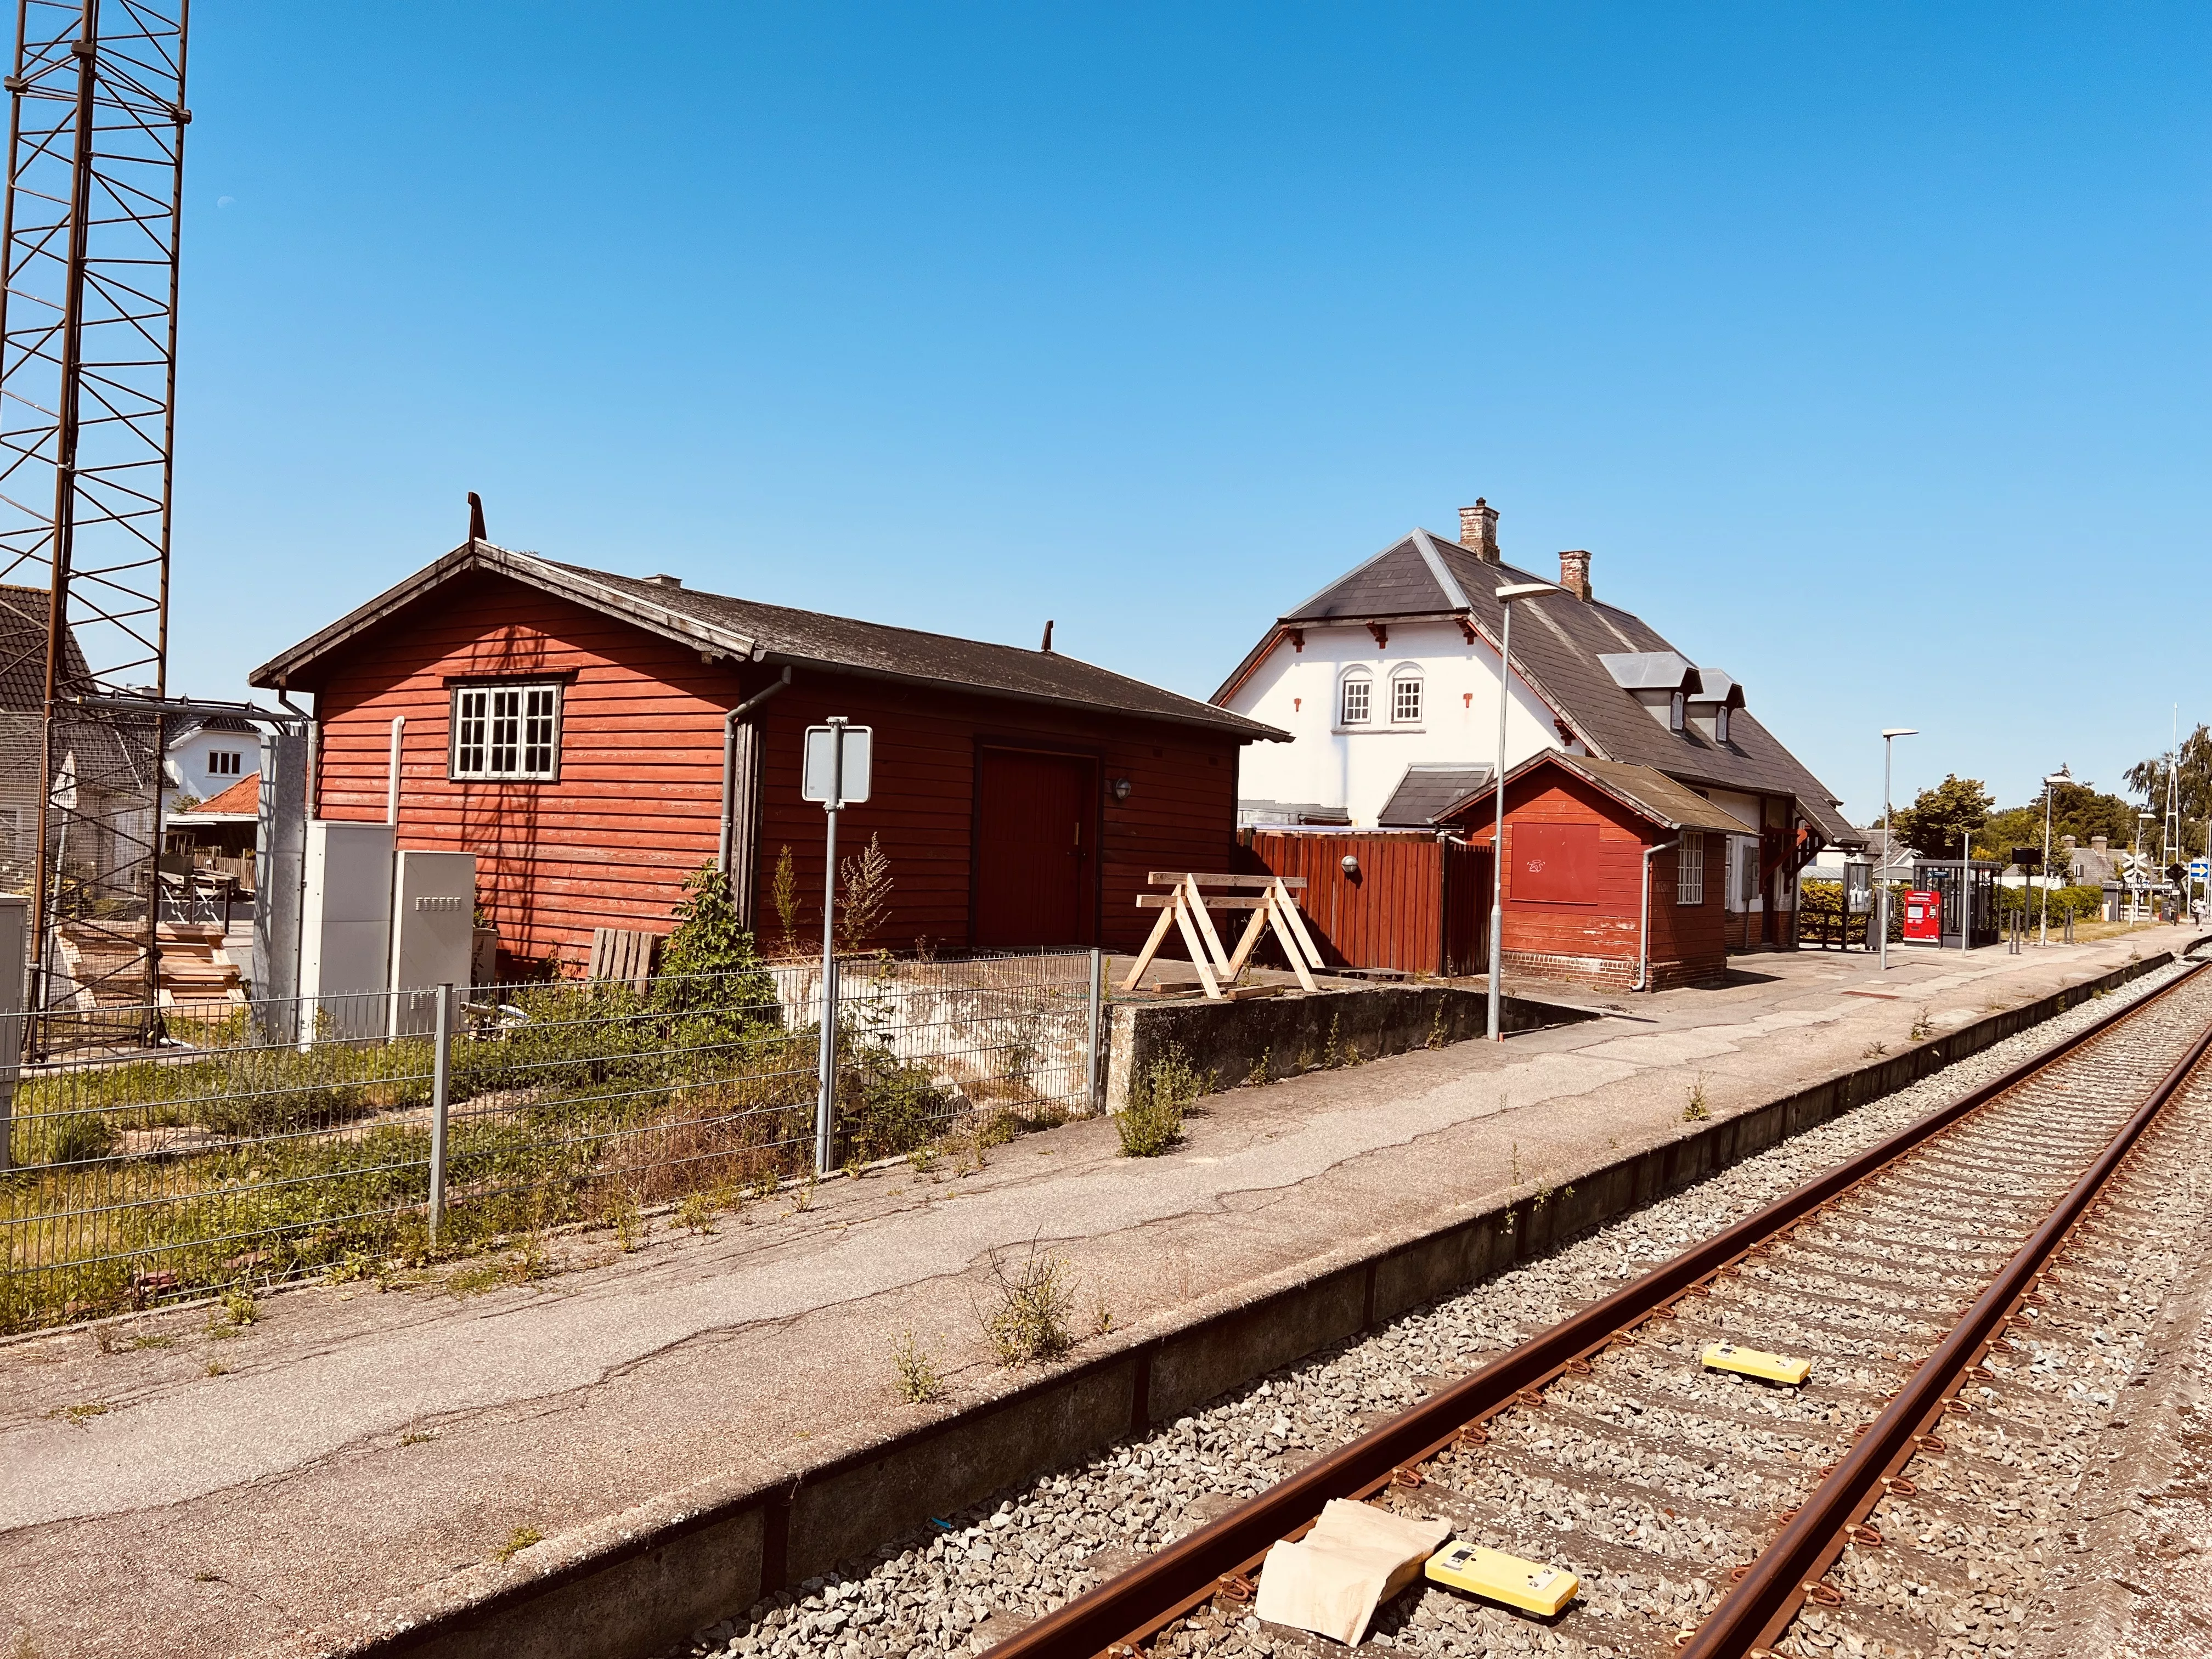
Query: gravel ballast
[974, 1576]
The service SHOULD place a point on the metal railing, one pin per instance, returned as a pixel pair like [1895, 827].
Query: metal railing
[289, 1136]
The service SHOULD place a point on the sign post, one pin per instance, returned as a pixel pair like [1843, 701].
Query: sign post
[835, 771]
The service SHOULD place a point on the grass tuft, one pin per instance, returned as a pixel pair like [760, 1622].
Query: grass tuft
[521, 1539]
[1032, 1298]
[920, 1383]
[1153, 1122]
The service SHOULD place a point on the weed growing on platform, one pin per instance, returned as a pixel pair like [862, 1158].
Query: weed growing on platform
[1160, 1095]
[920, 1383]
[1873, 1051]
[240, 1307]
[1923, 1027]
[1437, 1039]
[519, 1539]
[697, 1211]
[1696, 1111]
[1332, 1052]
[1030, 1302]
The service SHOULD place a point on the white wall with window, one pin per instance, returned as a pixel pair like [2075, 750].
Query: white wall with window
[204, 762]
[507, 731]
[1448, 714]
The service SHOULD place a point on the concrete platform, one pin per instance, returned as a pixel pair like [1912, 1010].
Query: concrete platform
[362, 1461]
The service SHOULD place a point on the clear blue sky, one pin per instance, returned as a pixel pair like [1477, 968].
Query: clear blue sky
[1827, 329]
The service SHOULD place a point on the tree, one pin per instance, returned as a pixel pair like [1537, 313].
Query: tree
[1938, 817]
[2079, 810]
[2147, 779]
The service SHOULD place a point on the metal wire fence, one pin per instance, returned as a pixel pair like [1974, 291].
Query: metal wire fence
[286, 1136]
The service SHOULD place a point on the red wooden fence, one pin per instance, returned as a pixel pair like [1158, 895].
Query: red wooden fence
[1414, 903]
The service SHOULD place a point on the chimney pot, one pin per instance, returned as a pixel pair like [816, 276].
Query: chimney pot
[665, 581]
[1574, 572]
[1478, 529]
[2066, 842]
[2100, 843]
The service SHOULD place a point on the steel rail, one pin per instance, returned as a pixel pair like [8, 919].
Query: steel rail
[1112, 1619]
[1757, 1610]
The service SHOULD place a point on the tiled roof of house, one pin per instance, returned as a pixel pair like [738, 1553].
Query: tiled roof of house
[747, 629]
[1669, 805]
[1425, 790]
[1557, 646]
[243, 797]
[24, 613]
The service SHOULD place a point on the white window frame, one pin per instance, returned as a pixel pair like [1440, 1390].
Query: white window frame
[1678, 709]
[226, 763]
[1404, 681]
[1365, 683]
[1690, 868]
[505, 732]
[1721, 724]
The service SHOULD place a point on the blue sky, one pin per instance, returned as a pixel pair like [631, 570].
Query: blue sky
[1866, 348]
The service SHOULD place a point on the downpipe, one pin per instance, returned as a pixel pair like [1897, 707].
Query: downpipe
[1643, 923]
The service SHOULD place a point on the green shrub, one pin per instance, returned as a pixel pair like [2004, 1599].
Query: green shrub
[1159, 1095]
[80, 1138]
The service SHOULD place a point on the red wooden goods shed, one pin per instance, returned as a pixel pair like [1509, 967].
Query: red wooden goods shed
[594, 739]
[1608, 876]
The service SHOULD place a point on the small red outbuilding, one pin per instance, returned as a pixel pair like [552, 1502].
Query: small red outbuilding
[594, 739]
[1606, 872]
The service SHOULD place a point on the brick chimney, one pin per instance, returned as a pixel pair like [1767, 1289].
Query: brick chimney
[1478, 529]
[2099, 844]
[1574, 573]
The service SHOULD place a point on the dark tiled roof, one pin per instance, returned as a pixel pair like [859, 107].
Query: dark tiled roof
[181, 726]
[106, 749]
[748, 629]
[1427, 789]
[1557, 643]
[1656, 796]
[24, 613]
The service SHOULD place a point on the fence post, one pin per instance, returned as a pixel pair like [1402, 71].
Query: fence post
[442, 1072]
[1097, 999]
[825, 1111]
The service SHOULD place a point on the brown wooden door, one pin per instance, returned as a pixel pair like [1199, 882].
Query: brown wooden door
[1037, 871]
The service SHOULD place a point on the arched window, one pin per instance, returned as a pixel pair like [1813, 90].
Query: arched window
[1406, 696]
[1356, 701]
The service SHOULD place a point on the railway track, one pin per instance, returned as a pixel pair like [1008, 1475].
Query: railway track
[1959, 1289]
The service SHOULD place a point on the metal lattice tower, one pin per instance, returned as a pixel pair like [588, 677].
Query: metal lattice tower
[87, 399]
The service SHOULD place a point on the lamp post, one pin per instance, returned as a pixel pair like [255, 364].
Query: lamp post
[2049, 785]
[1506, 596]
[1889, 736]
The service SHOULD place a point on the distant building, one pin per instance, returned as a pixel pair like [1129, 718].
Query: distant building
[1388, 682]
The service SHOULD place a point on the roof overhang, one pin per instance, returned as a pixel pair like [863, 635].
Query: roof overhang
[1667, 804]
[298, 665]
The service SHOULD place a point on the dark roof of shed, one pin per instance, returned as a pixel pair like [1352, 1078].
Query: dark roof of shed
[1646, 790]
[748, 630]
[1556, 650]
[1427, 789]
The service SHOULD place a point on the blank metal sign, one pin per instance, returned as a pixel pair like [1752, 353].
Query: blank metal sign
[820, 777]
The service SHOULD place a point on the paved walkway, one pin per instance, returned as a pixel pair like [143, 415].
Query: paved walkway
[270, 1491]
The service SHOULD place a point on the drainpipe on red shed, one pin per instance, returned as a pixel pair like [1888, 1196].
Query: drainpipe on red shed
[1643, 927]
[730, 721]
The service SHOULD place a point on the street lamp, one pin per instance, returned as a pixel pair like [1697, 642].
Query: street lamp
[2049, 785]
[1506, 596]
[1888, 847]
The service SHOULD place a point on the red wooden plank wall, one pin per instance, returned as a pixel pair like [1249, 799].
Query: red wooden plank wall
[636, 807]
[1390, 915]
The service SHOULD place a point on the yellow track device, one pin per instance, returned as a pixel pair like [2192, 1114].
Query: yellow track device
[1750, 1362]
[1530, 1585]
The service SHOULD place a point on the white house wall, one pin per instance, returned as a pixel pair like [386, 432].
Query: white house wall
[1358, 768]
[188, 773]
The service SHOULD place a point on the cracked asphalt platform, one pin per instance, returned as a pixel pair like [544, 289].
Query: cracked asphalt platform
[363, 1453]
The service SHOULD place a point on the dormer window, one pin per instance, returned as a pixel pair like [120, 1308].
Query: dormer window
[1721, 724]
[1677, 711]
[1406, 697]
[1358, 707]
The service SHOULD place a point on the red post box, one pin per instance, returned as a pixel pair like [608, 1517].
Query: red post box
[1924, 917]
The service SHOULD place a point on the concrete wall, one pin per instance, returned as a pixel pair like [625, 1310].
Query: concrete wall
[641, 1582]
[1268, 1037]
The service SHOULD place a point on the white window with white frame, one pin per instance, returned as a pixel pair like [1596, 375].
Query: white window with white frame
[1355, 703]
[507, 731]
[1406, 697]
[224, 762]
[1690, 868]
